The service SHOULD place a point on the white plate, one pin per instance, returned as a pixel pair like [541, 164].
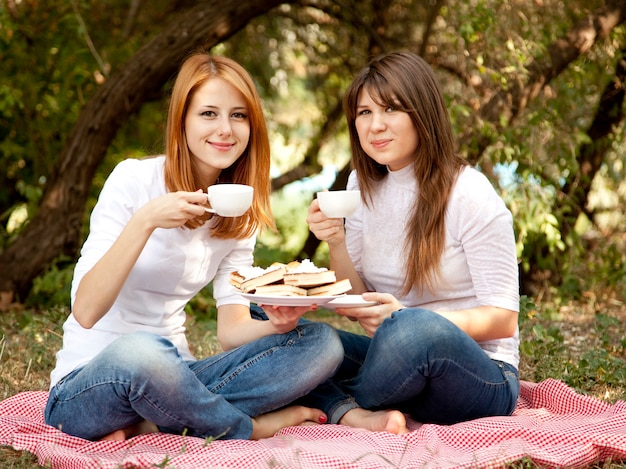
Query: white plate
[277, 300]
[349, 301]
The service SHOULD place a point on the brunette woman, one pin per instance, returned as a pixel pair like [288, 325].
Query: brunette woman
[433, 245]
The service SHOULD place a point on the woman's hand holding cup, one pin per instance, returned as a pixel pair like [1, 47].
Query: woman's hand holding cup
[324, 228]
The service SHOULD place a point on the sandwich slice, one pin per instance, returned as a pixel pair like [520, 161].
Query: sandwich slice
[310, 279]
[306, 274]
[249, 279]
[331, 289]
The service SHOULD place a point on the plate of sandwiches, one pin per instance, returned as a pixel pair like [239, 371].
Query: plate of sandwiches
[293, 284]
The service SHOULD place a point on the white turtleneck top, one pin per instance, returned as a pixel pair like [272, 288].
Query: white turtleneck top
[479, 263]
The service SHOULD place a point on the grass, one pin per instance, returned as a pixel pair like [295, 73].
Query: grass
[580, 342]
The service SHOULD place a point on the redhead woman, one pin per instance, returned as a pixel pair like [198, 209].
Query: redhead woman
[433, 245]
[125, 366]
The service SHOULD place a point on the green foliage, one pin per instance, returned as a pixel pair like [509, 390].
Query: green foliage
[596, 367]
[290, 206]
[54, 55]
[603, 364]
[46, 77]
[537, 229]
[53, 287]
[538, 341]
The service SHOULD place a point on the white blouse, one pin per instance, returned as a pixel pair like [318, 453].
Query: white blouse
[174, 265]
[479, 263]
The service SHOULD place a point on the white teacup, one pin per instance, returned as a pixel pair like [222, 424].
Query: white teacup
[339, 204]
[229, 200]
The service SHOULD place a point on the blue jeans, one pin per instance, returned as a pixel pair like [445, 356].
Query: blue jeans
[141, 376]
[422, 364]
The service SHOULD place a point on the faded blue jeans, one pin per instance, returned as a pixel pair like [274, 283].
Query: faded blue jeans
[422, 364]
[141, 376]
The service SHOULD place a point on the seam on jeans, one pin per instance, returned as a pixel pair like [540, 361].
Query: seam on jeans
[503, 383]
[299, 330]
[343, 407]
[290, 341]
[142, 396]
[244, 366]
[95, 384]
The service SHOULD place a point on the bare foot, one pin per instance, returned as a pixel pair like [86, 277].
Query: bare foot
[133, 430]
[117, 435]
[310, 423]
[392, 421]
[266, 425]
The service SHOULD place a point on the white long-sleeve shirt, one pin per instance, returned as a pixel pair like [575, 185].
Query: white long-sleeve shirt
[479, 262]
[174, 265]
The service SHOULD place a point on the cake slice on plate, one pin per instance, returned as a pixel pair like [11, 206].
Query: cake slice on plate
[331, 289]
[306, 274]
[250, 278]
[293, 279]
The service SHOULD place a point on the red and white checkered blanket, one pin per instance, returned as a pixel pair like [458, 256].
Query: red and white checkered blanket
[552, 425]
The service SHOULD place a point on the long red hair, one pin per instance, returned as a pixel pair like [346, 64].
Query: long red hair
[252, 167]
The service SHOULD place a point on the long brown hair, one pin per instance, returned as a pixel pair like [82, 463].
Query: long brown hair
[404, 80]
[252, 167]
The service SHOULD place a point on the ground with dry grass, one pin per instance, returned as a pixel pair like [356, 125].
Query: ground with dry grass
[580, 342]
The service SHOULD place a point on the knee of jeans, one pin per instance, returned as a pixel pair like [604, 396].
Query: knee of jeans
[139, 351]
[334, 347]
[328, 344]
[414, 327]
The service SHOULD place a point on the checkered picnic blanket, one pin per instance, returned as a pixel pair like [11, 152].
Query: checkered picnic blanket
[552, 425]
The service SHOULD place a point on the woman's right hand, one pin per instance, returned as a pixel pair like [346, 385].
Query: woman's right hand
[174, 209]
[326, 229]
[332, 231]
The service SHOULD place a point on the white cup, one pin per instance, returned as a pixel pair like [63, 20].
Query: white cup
[339, 204]
[229, 200]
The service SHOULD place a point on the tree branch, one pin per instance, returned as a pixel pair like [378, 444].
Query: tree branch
[310, 165]
[608, 116]
[56, 227]
[506, 105]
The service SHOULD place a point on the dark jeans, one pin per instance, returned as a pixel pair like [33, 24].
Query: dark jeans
[422, 364]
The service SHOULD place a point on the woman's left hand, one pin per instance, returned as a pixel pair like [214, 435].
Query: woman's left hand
[371, 317]
[285, 318]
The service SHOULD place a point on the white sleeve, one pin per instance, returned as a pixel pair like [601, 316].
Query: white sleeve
[119, 199]
[242, 255]
[484, 226]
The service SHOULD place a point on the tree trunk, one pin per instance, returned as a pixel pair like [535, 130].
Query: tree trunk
[591, 155]
[56, 227]
[572, 200]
